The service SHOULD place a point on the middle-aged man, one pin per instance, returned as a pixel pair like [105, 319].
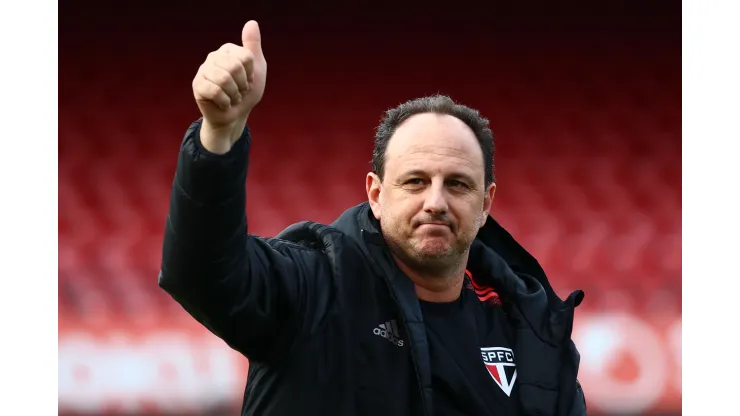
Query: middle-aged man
[415, 302]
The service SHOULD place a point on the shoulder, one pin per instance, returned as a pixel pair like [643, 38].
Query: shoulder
[310, 236]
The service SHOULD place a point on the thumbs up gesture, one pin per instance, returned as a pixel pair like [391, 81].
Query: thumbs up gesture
[228, 85]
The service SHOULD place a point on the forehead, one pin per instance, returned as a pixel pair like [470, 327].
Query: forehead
[433, 139]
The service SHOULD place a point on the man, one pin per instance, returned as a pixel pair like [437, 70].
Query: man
[414, 303]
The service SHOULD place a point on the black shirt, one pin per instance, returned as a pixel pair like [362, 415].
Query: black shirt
[473, 367]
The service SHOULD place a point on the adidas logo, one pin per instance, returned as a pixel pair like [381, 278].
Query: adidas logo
[389, 331]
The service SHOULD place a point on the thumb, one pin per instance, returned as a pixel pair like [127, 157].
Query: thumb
[251, 38]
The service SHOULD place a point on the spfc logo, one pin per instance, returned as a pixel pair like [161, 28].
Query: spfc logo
[500, 364]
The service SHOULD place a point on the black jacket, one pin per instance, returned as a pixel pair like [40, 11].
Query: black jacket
[302, 306]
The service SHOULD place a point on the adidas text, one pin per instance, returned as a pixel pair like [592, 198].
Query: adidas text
[389, 331]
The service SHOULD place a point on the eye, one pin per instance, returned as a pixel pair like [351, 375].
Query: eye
[415, 181]
[458, 184]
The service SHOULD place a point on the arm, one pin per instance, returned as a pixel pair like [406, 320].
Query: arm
[252, 294]
[237, 285]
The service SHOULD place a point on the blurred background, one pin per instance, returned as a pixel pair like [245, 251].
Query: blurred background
[584, 100]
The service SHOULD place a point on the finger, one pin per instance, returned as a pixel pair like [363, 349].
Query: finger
[252, 38]
[223, 79]
[205, 90]
[244, 55]
[233, 66]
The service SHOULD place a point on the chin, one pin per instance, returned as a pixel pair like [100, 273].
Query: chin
[435, 250]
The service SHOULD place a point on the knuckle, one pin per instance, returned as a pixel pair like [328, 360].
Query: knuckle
[222, 98]
[214, 93]
[229, 64]
[244, 55]
[203, 90]
[226, 46]
[235, 67]
[211, 91]
[248, 56]
[222, 78]
[204, 70]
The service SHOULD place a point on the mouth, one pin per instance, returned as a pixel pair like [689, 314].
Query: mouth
[434, 225]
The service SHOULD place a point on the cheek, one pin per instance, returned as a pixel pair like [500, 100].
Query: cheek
[470, 217]
[402, 208]
[398, 219]
[398, 215]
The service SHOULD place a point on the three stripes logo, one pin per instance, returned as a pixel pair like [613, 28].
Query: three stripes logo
[500, 364]
[389, 331]
[484, 293]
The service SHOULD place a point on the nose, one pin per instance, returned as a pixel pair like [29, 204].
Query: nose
[435, 201]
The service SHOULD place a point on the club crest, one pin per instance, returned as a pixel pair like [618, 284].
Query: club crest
[500, 364]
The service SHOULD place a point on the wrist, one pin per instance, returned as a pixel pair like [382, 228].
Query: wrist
[220, 139]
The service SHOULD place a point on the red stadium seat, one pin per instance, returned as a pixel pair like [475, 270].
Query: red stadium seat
[588, 166]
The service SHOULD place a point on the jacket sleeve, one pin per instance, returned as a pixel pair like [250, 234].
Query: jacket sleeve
[579, 403]
[247, 291]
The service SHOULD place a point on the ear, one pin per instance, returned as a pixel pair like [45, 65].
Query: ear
[487, 203]
[373, 187]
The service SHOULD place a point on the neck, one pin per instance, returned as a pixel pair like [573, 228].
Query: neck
[438, 288]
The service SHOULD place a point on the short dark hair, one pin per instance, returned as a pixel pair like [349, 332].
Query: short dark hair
[438, 104]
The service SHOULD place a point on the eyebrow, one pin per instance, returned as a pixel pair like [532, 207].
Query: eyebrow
[454, 176]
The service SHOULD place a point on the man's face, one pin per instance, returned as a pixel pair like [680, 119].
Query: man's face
[432, 200]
